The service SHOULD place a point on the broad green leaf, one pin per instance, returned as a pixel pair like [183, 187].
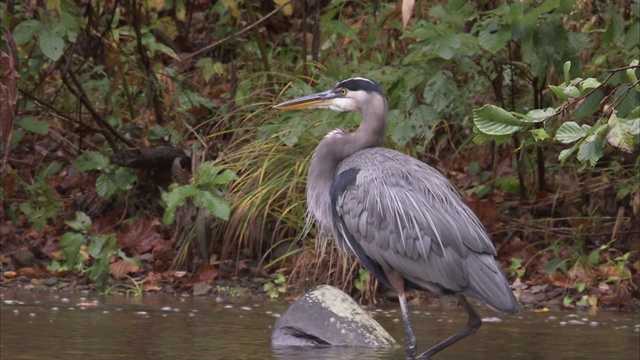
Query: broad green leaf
[124, 178]
[51, 43]
[493, 120]
[205, 173]
[540, 134]
[105, 186]
[631, 73]
[559, 91]
[590, 151]
[589, 105]
[71, 243]
[535, 12]
[216, 205]
[95, 246]
[25, 31]
[81, 222]
[445, 46]
[494, 37]
[91, 160]
[552, 266]
[620, 133]
[572, 92]
[224, 177]
[537, 115]
[33, 125]
[570, 132]
[589, 83]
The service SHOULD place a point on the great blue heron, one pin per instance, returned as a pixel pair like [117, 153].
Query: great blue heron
[402, 219]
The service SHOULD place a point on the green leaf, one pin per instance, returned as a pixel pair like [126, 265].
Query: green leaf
[91, 160]
[537, 115]
[33, 125]
[124, 178]
[565, 153]
[621, 133]
[589, 105]
[71, 243]
[594, 257]
[566, 68]
[552, 266]
[493, 120]
[25, 31]
[572, 92]
[589, 83]
[631, 73]
[559, 91]
[445, 46]
[590, 151]
[539, 134]
[224, 177]
[175, 198]
[494, 37]
[570, 132]
[51, 43]
[534, 13]
[216, 205]
[81, 223]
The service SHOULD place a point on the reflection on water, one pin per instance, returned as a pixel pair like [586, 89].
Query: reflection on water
[50, 326]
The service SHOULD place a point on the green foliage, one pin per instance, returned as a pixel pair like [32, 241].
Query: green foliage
[43, 202]
[622, 133]
[113, 178]
[229, 290]
[59, 21]
[206, 192]
[88, 253]
[276, 287]
[362, 282]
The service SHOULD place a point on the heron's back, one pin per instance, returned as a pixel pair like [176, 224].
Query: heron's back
[406, 217]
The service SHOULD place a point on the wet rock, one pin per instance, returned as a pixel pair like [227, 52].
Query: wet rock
[24, 258]
[328, 316]
[201, 288]
[50, 281]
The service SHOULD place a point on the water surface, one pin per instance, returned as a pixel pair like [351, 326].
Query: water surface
[35, 325]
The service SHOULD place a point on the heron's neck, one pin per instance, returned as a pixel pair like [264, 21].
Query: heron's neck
[331, 151]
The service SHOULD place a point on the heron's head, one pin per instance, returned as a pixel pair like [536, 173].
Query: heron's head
[352, 94]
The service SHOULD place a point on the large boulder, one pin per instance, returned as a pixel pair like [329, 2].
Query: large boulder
[328, 316]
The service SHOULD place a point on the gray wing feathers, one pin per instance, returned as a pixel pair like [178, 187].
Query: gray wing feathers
[407, 217]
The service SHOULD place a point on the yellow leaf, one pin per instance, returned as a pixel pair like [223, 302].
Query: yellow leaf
[544, 309]
[287, 10]
[156, 5]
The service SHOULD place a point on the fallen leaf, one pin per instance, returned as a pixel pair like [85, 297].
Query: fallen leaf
[544, 309]
[122, 267]
[206, 273]
[150, 287]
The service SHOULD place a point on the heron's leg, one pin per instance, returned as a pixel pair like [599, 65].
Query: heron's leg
[411, 336]
[397, 281]
[473, 325]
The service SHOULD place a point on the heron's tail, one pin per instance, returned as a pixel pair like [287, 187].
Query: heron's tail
[488, 283]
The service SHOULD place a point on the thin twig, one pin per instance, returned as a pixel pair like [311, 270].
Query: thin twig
[209, 47]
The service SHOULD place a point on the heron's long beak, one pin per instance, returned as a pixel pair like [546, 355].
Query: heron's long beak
[319, 100]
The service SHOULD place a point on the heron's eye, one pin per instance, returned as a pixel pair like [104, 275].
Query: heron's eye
[343, 91]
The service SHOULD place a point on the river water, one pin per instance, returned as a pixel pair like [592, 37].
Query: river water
[36, 325]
